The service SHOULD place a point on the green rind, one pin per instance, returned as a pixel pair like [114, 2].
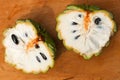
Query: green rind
[107, 44]
[40, 31]
[86, 8]
[97, 54]
[46, 36]
[73, 7]
[87, 57]
[83, 6]
[115, 27]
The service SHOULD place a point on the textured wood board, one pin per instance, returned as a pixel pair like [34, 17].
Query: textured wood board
[68, 65]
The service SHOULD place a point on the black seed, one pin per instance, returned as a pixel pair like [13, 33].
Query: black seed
[79, 15]
[74, 23]
[97, 21]
[74, 31]
[26, 34]
[38, 59]
[77, 36]
[43, 56]
[15, 39]
[37, 46]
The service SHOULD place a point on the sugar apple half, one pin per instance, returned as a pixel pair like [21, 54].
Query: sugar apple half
[28, 47]
[85, 29]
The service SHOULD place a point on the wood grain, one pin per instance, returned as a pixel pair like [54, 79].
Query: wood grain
[68, 65]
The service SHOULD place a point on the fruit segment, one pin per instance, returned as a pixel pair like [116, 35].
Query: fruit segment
[85, 29]
[26, 48]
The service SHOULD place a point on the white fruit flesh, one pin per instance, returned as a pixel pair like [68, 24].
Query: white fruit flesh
[79, 31]
[25, 55]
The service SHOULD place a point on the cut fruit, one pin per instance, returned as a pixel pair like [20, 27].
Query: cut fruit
[85, 29]
[28, 47]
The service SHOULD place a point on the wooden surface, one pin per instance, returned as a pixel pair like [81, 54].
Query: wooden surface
[68, 65]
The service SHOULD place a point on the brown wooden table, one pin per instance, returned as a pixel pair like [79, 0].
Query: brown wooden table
[68, 65]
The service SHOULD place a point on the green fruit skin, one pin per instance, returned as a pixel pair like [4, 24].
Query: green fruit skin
[91, 8]
[48, 40]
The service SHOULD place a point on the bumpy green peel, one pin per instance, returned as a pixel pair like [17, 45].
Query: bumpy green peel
[84, 7]
[89, 8]
[47, 41]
